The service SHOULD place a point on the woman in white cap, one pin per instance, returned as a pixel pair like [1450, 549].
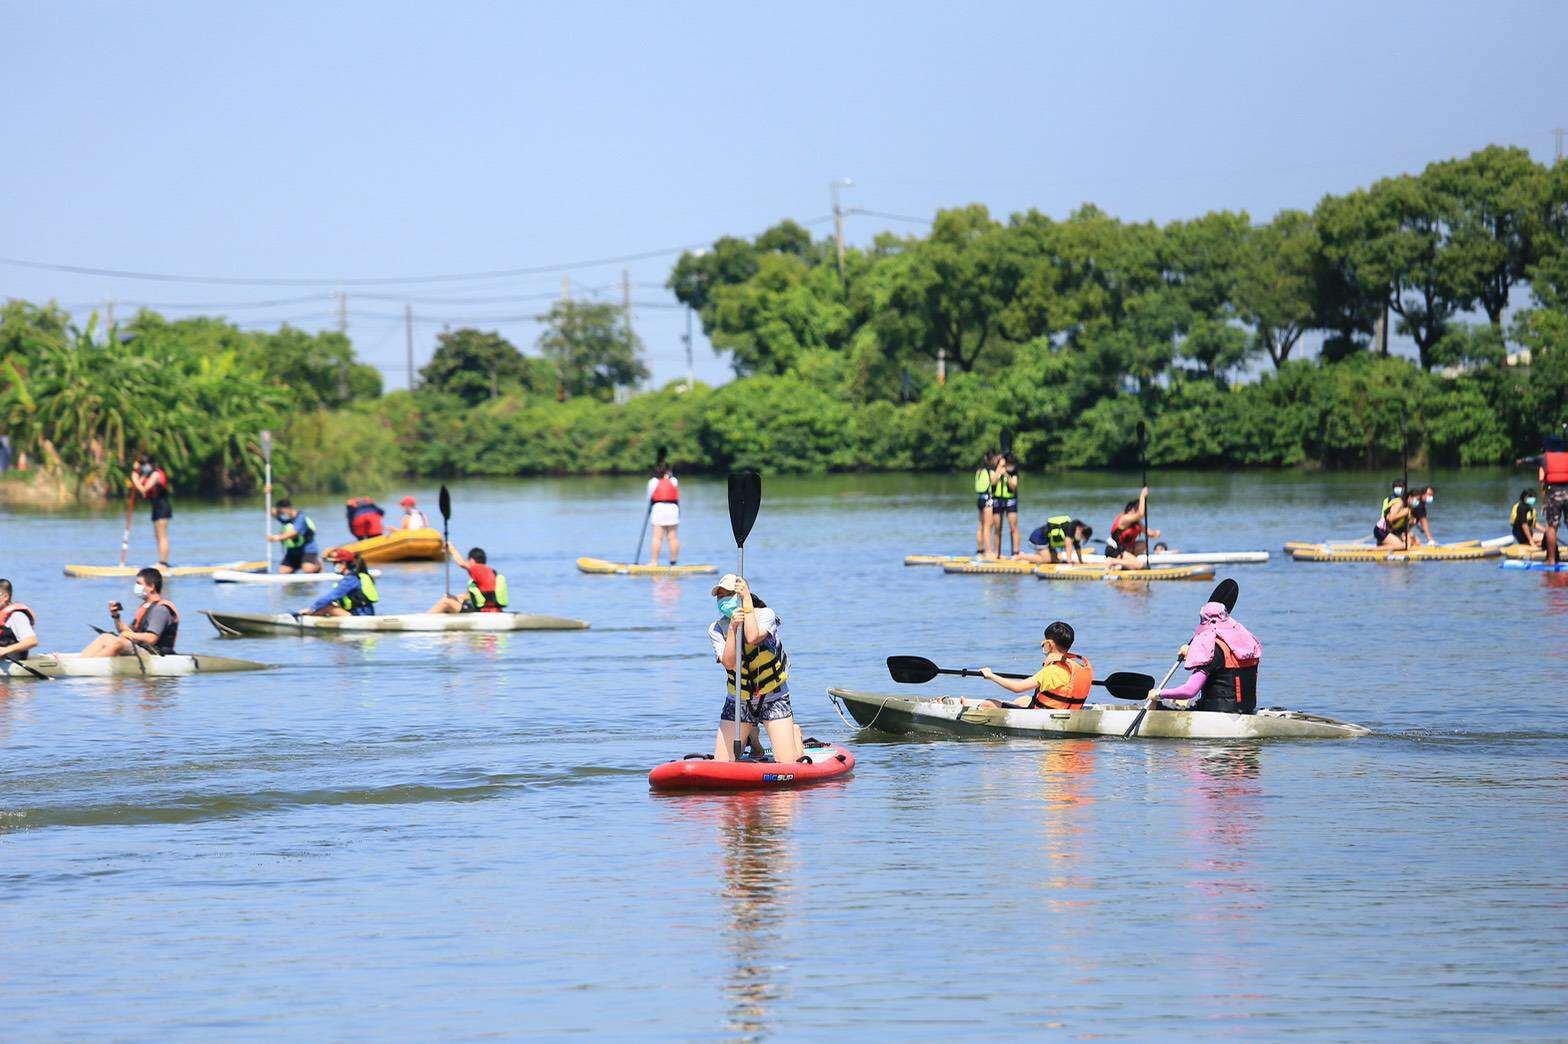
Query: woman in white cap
[413, 518]
[746, 620]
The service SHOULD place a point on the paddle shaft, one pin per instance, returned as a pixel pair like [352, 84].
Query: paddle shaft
[266, 456]
[446, 540]
[36, 674]
[740, 659]
[642, 533]
[1404, 454]
[125, 540]
[1143, 459]
[1132, 730]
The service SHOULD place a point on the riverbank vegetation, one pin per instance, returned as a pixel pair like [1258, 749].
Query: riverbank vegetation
[1240, 343]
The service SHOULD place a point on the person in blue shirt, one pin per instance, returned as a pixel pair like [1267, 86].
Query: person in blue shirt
[354, 595]
[298, 537]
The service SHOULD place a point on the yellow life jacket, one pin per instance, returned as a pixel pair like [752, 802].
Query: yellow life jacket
[367, 595]
[763, 670]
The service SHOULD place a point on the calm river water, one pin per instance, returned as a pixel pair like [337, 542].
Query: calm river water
[435, 836]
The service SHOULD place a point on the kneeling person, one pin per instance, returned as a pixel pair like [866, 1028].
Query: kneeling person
[747, 625]
[1061, 539]
[1062, 683]
[354, 595]
[486, 592]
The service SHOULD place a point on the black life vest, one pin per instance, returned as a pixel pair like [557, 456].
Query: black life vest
[1232, 685]
[7, 636]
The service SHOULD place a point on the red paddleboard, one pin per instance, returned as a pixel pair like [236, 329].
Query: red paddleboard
[704, 773]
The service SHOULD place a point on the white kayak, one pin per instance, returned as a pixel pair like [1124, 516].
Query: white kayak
[231, 624]
[174, 665]
[948, 716]
[235, 576]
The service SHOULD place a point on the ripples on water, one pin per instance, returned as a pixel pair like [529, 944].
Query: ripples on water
[444, 835]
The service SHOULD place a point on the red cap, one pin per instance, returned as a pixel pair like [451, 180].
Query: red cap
[408, 501]
[341, 554]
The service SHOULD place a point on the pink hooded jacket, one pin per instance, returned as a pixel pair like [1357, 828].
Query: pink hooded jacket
[1213, 622]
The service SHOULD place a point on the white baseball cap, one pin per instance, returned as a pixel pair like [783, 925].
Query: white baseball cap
[726, 584]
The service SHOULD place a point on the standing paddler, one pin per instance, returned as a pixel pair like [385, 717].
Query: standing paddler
[152, 483]
[983, 480]
[664, 514]
[16, 626]
[1552, 471]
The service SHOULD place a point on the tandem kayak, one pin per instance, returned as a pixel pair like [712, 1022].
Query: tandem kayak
[399, 545]
[599, 565]
[702, 772]
[946, 715]
[174, 665]
[235, 576]
[232, 624]
[206, 570]
[1533, 566]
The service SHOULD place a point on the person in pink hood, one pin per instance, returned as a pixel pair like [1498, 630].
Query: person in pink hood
[1223, 657]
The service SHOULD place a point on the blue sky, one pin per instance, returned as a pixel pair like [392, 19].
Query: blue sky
[386, 140]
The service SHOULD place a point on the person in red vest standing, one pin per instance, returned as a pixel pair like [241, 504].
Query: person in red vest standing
[151, 482]
[1552, 465]
[664, 493]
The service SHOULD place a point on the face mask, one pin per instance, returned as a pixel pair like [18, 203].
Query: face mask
[727, 606]
[146, 469]
[1430, 499]
[1399, 491]
[1530, 502]
[140, 590]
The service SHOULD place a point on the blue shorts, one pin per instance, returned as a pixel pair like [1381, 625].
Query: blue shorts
[775, 705]
[982, 500]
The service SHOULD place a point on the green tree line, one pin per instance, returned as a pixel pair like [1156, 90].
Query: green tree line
[914, 355]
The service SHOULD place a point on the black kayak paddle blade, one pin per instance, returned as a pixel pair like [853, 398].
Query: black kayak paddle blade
[745, 502]
[1226, 592]
[445, 502]
[911, 670]
[1128, 685]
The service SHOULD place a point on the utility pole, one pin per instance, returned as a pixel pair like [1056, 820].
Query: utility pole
[408, 342]
[1558, 132]
[108, 315]
[690, 379]
[342, 313]
[560, 377]
[626, 303]
[941, 364]
[566, 288]
[838, 219]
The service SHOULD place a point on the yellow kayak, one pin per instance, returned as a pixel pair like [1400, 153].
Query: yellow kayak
[206, 570]
[599, 565]
[399, 545]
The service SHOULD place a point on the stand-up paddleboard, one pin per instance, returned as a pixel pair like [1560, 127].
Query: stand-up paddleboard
[824, 761]
[599, 565]
[1525, 551]
[206, 570]
[1125, 575]
[1536, 567]
[232, 624]
[235, 576]
[1470, 550]
[996, 567]
[1192, 558]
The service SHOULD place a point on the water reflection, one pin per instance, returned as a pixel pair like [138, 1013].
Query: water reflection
[1066, 772]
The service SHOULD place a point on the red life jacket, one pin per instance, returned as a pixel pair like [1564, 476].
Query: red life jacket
[1232, 685]
[7, 636]
[164, 643]
[159, 483]
[483, 582]
[1127, 537]
[666, 492]
[1080, 676]
[1556, 467]
[364, 518]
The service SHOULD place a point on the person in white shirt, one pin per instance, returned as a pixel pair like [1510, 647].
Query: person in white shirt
[413, 518]
[664, 493]
[16, 625]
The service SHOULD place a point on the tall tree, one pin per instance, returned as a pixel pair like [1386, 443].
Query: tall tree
[474, 366]
[1276, 282]
[593, 349]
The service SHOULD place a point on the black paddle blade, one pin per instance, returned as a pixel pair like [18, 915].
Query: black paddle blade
[1128, 685]
[1225, 592]
[911, 670]
[745, 502]
[1142, 434]
[445, 502]
[1006, 441]
[662, 458]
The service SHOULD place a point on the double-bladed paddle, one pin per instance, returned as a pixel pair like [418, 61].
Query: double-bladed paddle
[745, 496]
[23, 664]
[1225, 592]
[445, 503]
[914, 670]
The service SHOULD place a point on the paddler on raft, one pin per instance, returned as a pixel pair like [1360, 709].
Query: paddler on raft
[364, 518]
[664, 514]
[354, 595]
[16, 625]
[746, 621]
[156, 624]
[1129, 538]
[1223, 657]
[486, 592]
[298, 537]
[1394, 529]
[1061, 683]
[1521, 521]
[413, 518]
[1061, 539]
[151, 482]
[1420, 503]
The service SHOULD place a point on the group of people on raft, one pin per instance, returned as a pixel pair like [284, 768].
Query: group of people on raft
[297, 533]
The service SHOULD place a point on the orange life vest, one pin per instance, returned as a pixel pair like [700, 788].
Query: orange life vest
[6, 635]
[666, 492]
[1080, 676]
[164, 643]
[1556, 467]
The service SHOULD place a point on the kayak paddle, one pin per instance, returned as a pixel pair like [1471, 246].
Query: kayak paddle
[266, 456]
[134, 643]
[745, 495]
[913, 670]
[1143, 459]
[1225, 592]
[22, 664]
[446, 542]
